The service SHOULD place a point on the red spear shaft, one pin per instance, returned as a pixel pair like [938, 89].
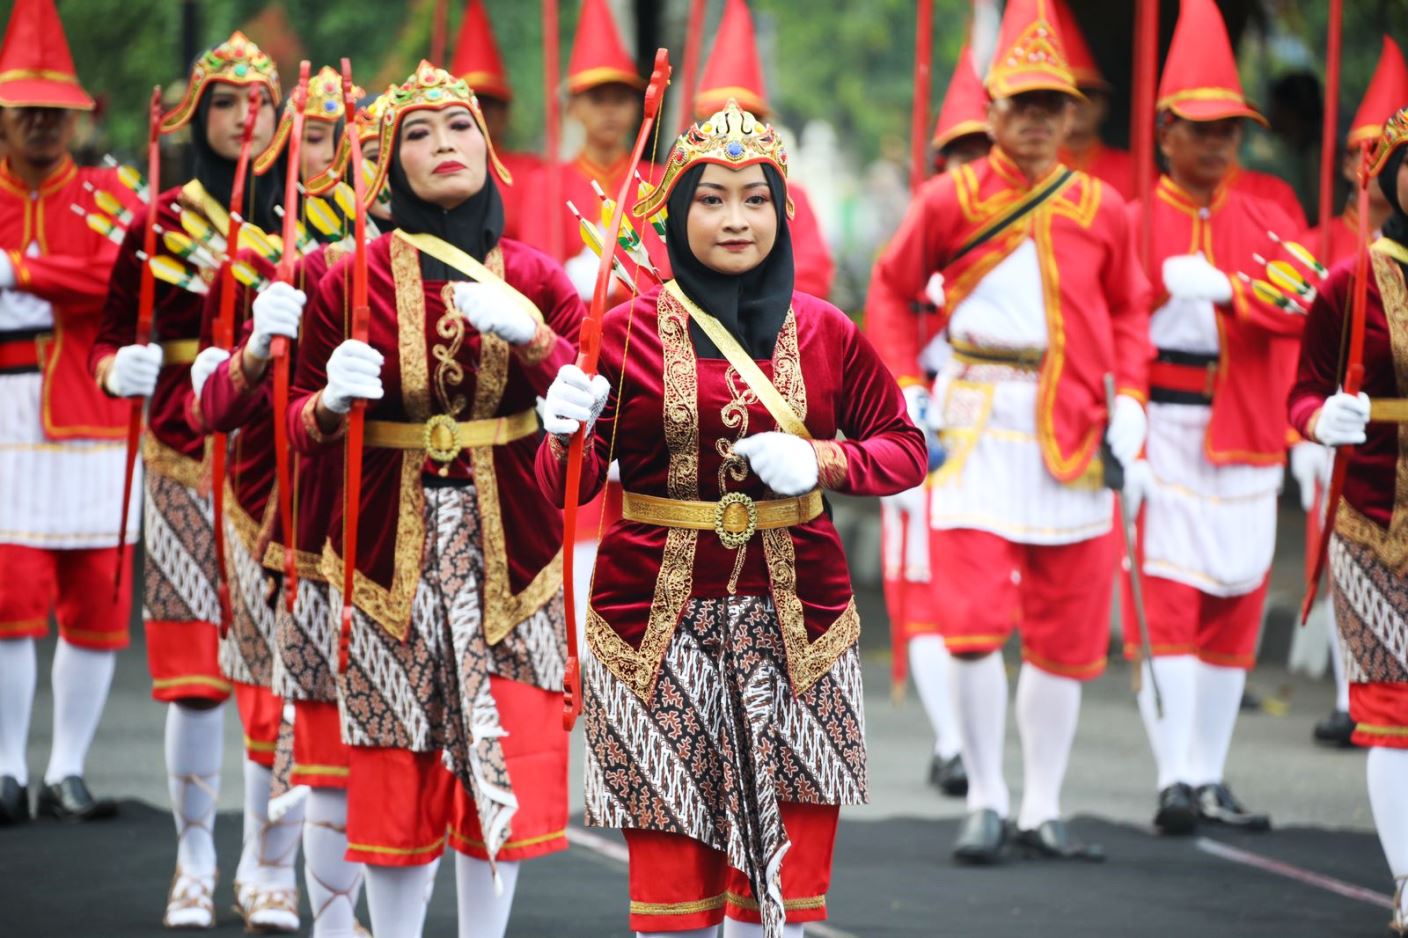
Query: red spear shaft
[1329, 132]
[1141, 121]
[693, 39]
[552, 126]
[146, 302]
[278, 350]
[919, 117]
[351, 492]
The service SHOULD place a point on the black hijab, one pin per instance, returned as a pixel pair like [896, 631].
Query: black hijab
[1396, 228]
[217, 174]
[474, 226]
[752, 305]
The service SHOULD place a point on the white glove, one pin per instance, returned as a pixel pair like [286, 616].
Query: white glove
[917, 402]
[786, 463]
[1342, 419]
[476, 302]
[1191, 277]
[7, 271]
[1138, 482]
[1127, 428]
[582, 271]
[354, 372]
[573, 400]
[1310, 463]
[277, 311]
[134, 371]
[934, 290]
[204, 366]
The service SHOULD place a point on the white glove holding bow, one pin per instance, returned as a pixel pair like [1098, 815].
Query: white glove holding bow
[493, 316]
[786, 463]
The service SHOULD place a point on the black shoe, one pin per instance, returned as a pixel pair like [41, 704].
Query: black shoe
[949, 776]
[1216, 803]
[1336, 730]
[1178, 810]
[1052, 840]
[70, 800]
[981, 837]
[14, 801]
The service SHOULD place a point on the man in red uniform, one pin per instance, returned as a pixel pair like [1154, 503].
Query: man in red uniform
[1044, 305]
[734, 71]
[478, 62]
[1083, 149]
[1215, 452]
[961, 134]
[61, 459]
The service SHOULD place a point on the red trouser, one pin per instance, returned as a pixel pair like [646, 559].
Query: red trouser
[1183, 620]
[679, 884]
[260, 715]
[1380, 713]
[319, 754]
[76, 585]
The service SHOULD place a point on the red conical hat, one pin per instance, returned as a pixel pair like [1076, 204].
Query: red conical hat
[1078, 55]
[1200, 80]
[36, 68]
[598, 56]
[965, 108]
[733, 70]
[477, 58]
[1030, 55]
[1388, 91]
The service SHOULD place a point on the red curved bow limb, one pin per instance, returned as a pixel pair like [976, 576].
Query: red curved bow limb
[352, 484]
[1353, 382]
[224, 338]
[278, 350]
[590, 349]
[146, 303]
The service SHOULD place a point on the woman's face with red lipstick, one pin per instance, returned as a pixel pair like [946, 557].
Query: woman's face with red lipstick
[732, 221]
[443, 155]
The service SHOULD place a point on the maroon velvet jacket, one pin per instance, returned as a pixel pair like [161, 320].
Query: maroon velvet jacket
[229, 403]
[436, 363]
[1370, 490]
[677, 415]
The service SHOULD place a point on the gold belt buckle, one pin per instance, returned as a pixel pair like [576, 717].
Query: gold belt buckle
[735, 520]
[442, 438]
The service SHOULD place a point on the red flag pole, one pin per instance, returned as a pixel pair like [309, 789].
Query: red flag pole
[552, 119]
[919, 116]
[1141, 119]
[356, 419]
[693, 39]
[278, 350]
[1330, 128]
[438, 29]
[146, 303]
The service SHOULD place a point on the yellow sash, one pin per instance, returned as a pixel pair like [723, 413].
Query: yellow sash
[453, 257]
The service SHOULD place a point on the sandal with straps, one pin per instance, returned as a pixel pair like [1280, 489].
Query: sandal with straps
[1399, 924]
[190, 902]
[267, 910]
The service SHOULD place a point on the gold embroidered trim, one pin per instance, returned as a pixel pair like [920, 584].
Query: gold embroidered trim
[448, 371]
[307, 563]
[831, 466]
[532, 353]
[791, 905]
[410, 331]
[164, 461]
[240, 521]
[557, 447]
[678, 908]
[309, 418]
[807, 661]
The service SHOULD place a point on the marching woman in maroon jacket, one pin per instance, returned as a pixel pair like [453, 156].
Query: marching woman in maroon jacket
[457, 645]
[723, 700]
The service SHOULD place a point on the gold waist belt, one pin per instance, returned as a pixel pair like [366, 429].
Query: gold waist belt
[1389, 410]
[443, 438]
[733, 518]
[179, 351]
[1026, 359]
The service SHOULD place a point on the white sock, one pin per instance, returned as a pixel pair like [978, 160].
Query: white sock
[18, 675]
[270, 847]
[1388, 797]
[733, 928]
[333, 884]
[1219, 698]
[1337, 665]
[193, 748]
[1048, 708]
[397, 897]
[979, 690]
[483, 911]
[81, 678]
[929, 668]
[1170, 737]
[711, 932]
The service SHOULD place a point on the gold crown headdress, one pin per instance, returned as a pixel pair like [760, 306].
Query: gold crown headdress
[733, 137]
[236, 61]
[1394, 135]
[324, 104]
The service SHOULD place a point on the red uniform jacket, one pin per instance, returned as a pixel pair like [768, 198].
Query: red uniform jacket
[1274, 189]
[523, 167]
[437, 364]
[1097, 299]
[668, 437]
[173, 448]
[71, 273]
[1370, 485]
[1108, 164]
[811, 257]
[1257, 341]
[229, 403]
